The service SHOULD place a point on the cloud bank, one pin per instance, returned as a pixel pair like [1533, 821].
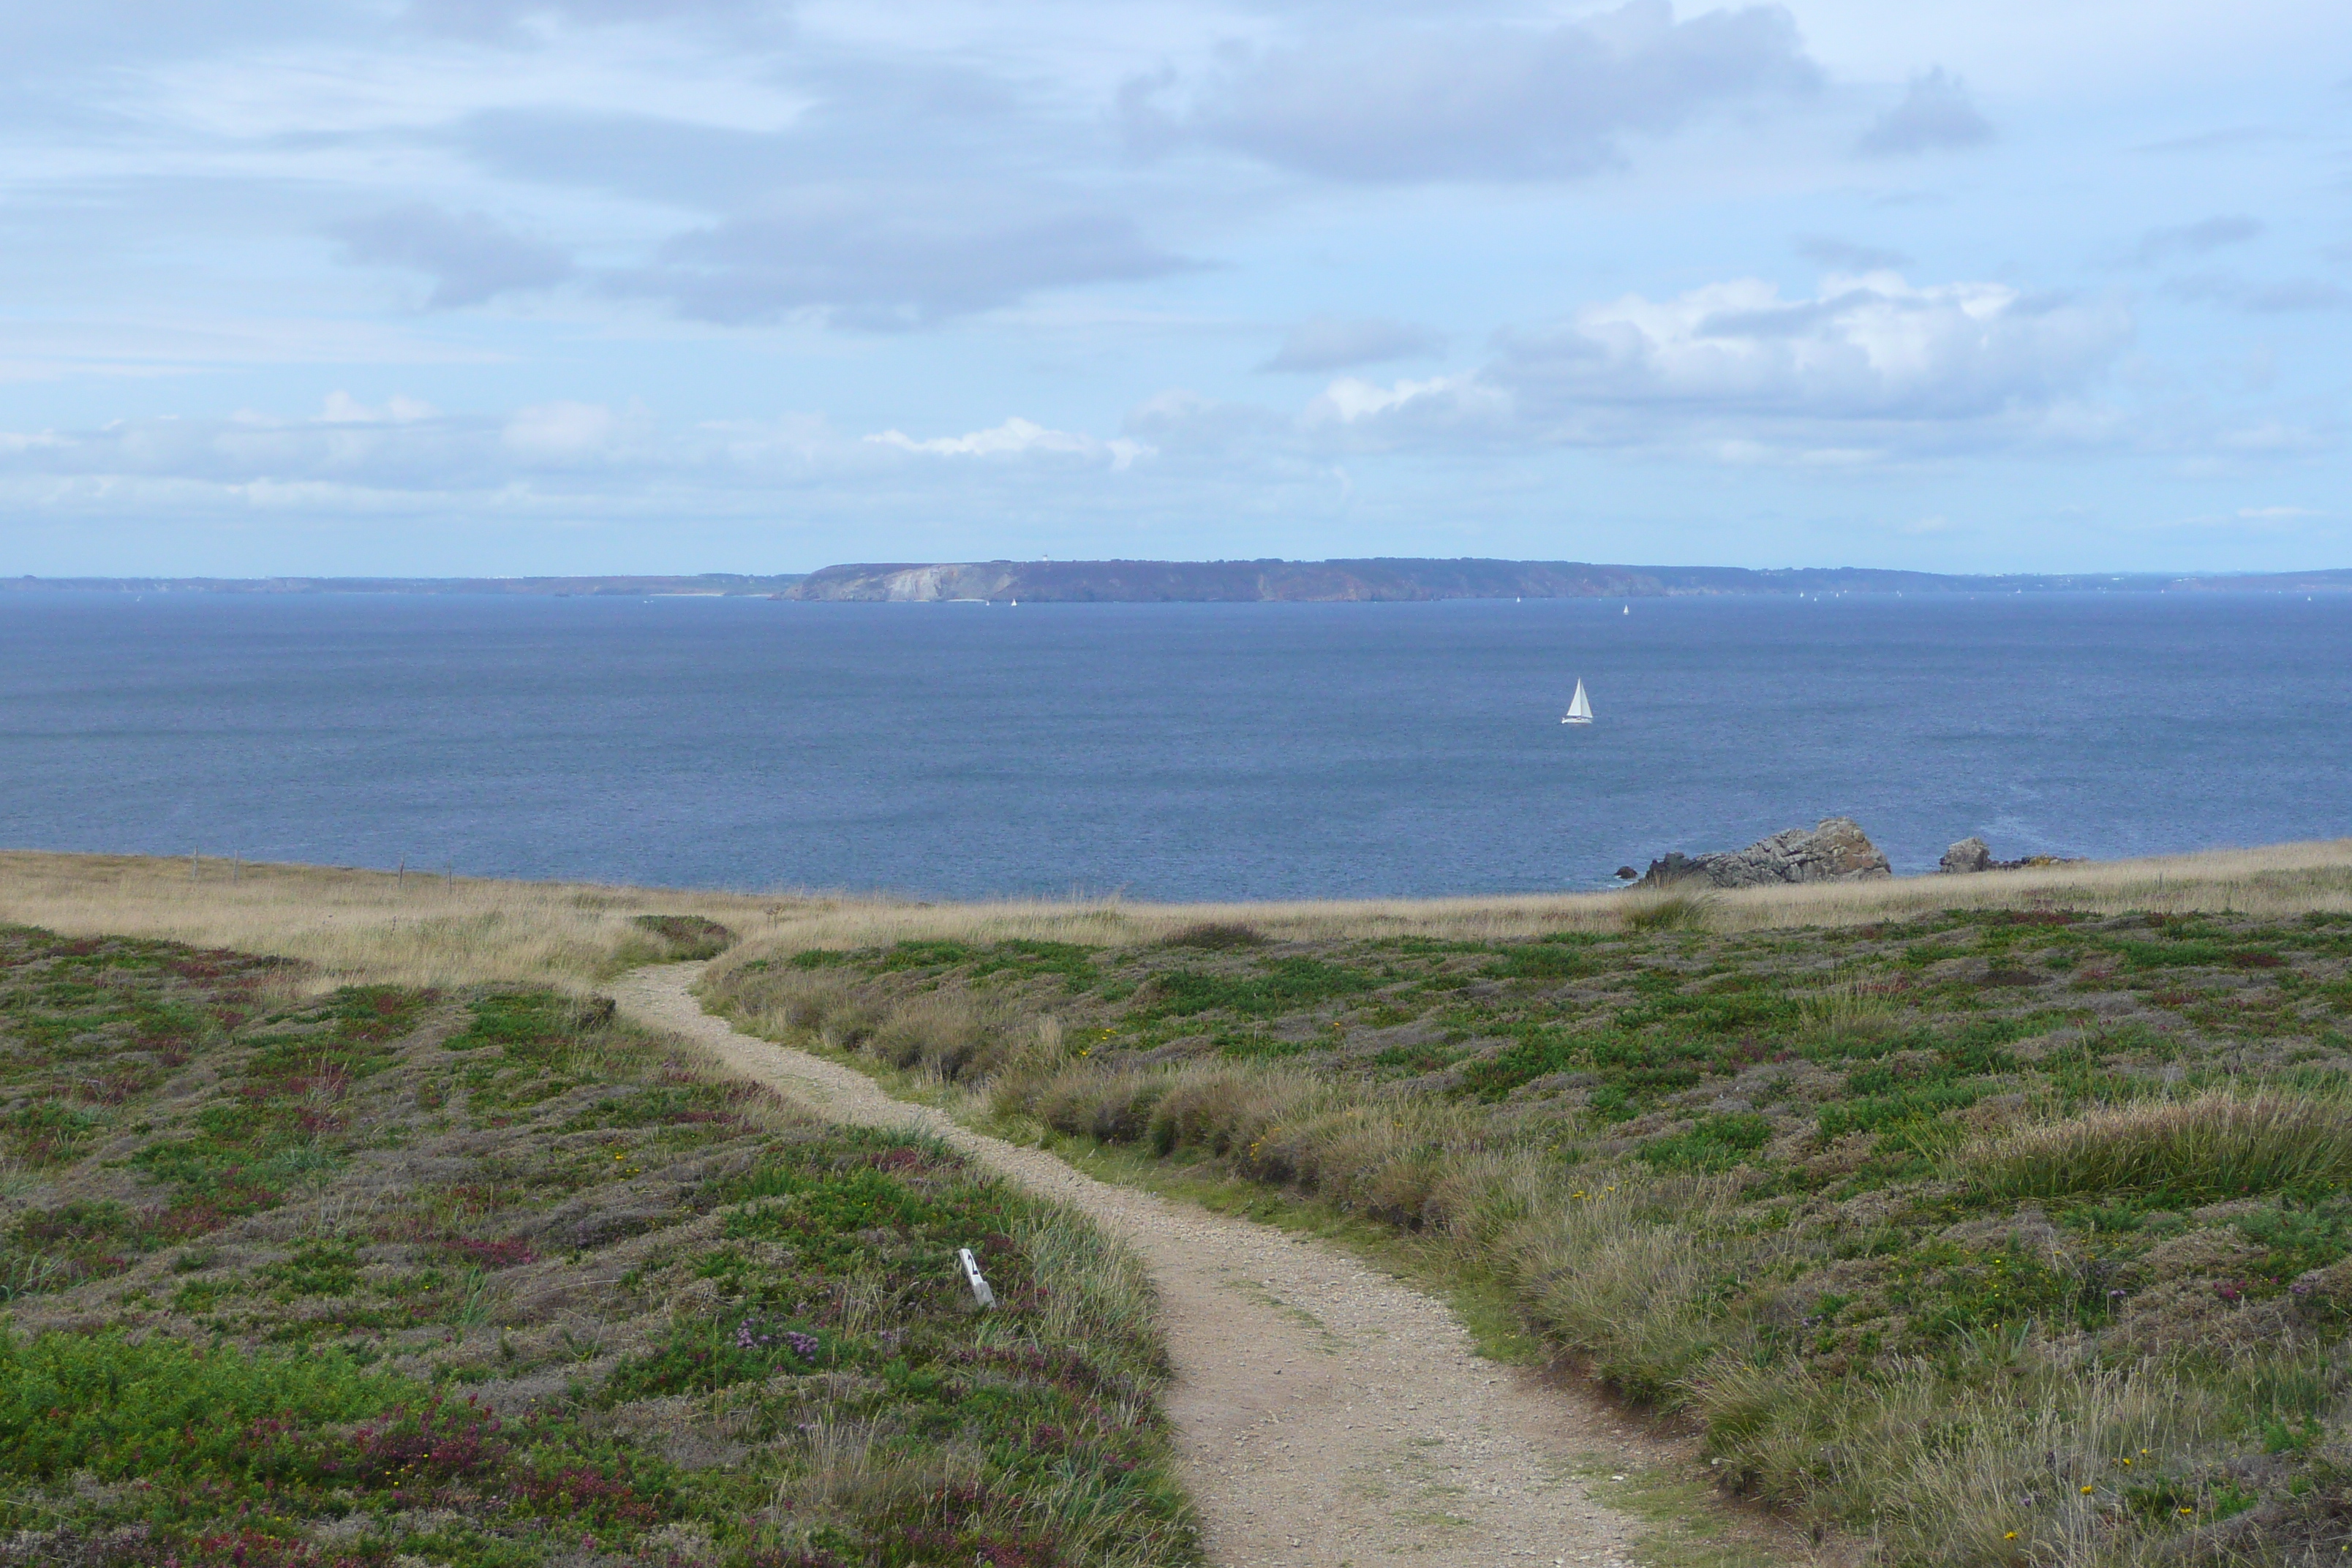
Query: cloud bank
[890, 266]
[1473, 102]
[470, 257]
[1934, 115]
[1334, 342]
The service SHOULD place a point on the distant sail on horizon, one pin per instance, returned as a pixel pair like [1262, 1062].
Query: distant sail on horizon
[1579, 707]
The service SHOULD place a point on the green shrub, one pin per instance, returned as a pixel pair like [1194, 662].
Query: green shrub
[522, 1024]
[1280, 985]
[922, 955]
[1540, 960]
[1710, 1143]
[120, 1409]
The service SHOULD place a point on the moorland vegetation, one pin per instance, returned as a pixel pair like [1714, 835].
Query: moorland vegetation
[307, 1275]
[1998, 1220]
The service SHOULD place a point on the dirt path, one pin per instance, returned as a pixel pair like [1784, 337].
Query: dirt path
[1330, 1416]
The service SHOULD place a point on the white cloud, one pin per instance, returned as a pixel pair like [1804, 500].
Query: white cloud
[1017, 437]
[1350, 400]
[1872, 369]
[571, 432]
[2276, 513]
[1868, 348]
[556, 459]
[342, 408]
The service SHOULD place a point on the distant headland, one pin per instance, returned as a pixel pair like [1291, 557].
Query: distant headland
[1405, 578]
[1380, 579]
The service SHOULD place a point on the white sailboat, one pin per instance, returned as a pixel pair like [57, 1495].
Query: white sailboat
[1579, 708]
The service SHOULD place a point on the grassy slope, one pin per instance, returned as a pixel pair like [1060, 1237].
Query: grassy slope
[2006, 1235]
[485, 1277]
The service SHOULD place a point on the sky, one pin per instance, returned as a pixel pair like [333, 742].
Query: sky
[496, 287]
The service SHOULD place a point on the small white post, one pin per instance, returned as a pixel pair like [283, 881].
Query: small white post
[979, 1291]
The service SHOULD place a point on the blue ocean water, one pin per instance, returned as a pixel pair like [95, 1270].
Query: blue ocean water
[1170, 751]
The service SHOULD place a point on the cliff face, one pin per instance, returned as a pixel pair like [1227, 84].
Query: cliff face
[910, 585]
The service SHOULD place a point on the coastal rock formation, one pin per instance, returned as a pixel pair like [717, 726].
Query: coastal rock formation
[1835, 850]
[1971, 854]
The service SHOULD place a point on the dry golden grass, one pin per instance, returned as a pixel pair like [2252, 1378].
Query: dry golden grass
[413, 930]
[421, 929]
[2279, 880]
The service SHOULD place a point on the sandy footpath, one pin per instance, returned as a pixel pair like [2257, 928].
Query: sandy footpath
[1329, 1416]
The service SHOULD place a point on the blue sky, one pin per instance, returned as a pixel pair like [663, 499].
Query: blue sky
[508, 286]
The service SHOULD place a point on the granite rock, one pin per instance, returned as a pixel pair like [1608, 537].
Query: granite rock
[1971, 854]
[1835, 850]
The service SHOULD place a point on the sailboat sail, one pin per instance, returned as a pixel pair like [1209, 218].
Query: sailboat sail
[1579, 708]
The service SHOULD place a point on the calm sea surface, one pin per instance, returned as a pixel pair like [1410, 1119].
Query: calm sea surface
[1173, 751]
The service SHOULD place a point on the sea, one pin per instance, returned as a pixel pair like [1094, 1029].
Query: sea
[1160, 751]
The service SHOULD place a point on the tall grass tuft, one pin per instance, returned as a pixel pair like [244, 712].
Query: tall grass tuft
[1096, 1293]
[1664, 912]
[1850, 1010]
[2217, 1144]
[949, 1035]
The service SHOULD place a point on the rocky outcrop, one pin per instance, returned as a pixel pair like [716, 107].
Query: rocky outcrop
[1835, 850]
[1971, 854]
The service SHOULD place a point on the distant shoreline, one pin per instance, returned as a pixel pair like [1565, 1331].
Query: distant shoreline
[1387, 579]
[707, 585]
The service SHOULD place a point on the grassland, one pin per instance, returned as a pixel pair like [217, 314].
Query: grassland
[420, 928]
[410, 928]
[2001, 1220]
[379, 1274]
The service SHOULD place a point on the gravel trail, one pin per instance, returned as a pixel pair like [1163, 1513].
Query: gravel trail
[1328, 1415]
